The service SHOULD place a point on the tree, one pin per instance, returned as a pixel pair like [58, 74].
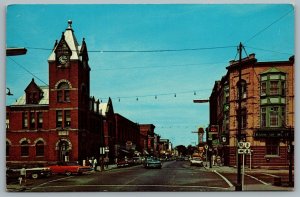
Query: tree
[181, 150]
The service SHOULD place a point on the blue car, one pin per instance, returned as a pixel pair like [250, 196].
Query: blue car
[152, 162]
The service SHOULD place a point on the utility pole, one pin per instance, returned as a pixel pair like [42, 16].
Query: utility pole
[238, 186]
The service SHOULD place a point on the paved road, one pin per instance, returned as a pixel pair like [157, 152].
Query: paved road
[174, 176]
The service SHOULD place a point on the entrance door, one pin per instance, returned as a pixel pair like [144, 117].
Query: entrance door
[63, 151]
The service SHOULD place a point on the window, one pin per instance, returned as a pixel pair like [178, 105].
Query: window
[263, 117]
[272, 147]
[24, 148]
[274, 88]
[7, 148]
[40, 120]
[283, 116]
[60, 96]
[283, 88]
[243, 89]
[39, 148]
[244, 118]
[67, 118]
[226, 93]
[63, 92]
[58, 118]
[273, 116]
[7, 121]
[263, 90]
[25, 120]
[32, 120]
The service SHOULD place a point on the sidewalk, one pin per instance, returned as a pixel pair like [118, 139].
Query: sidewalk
[110, 167]
[252, 187]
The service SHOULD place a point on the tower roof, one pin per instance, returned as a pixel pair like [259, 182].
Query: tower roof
[71, 41]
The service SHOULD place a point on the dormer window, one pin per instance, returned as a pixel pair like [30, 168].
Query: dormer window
[33, 93]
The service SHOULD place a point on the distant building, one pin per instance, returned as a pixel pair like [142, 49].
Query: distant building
[267, 113]
[147, 138]
[127, 137]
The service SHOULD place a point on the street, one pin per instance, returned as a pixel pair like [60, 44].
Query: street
[174, 176]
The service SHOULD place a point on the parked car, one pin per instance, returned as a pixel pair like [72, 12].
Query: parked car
[69, 168]
[196, 161]
[122, 163]
[152, 162]
[33, 173]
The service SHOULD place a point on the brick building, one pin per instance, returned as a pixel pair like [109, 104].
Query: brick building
[127, 137]
[267, 112]
[109, 127]
[61, 121]
[147, 138]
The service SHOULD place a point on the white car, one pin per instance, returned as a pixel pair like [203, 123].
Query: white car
[196, 161]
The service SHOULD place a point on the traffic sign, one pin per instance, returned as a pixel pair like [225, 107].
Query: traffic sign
[247, 145]
[241, 144]
[244, 151]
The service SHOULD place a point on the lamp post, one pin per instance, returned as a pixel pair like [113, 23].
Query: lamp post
[8, 93]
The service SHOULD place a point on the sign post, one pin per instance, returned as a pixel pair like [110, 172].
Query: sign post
[244, 149]
[206, 148]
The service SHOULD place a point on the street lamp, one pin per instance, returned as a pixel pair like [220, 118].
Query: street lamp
[15, 51]
[8, 93]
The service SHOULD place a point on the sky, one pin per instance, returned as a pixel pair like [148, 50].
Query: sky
[152, 60]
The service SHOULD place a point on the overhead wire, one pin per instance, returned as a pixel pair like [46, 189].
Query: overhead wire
[28, 71]
[262, 30]
[142, 51]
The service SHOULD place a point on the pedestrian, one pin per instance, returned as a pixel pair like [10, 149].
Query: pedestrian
[22, 175]
[95, 164]
[91, 162]
[106, 161]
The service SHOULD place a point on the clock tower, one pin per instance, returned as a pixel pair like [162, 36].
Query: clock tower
[69, 93]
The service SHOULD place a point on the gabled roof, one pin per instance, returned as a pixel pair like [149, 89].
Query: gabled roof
[71, 40]
[32, 85]
[105, 108]
[44, 101]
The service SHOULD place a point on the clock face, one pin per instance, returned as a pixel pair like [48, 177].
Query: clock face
[63, 59]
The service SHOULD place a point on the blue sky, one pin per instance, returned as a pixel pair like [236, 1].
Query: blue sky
[142, 75]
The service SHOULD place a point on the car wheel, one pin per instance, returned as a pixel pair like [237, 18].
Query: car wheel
[68, 173]
[34, 175]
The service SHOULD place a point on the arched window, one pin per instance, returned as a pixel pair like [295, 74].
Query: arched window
[24, 148]
[39, 148]
[63, 92]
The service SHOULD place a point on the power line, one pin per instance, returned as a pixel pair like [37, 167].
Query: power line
[175, 94]
[268, 50]
[143, 51]
[28, 71]
[259, 32]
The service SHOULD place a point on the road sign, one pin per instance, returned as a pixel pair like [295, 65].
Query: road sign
[247, 145]
[244, 151]
[241, 144]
